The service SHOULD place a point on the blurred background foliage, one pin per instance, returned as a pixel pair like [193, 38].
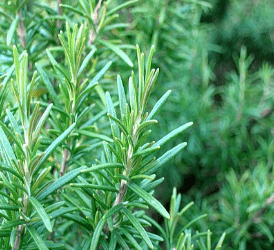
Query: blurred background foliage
[217, 57]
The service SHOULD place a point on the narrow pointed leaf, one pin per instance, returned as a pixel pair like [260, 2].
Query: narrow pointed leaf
[117, 51]
[111, 110]
[59, 183]
[55, 144]
[149, 199]
[4, 206]
[94, 135]
[220, 242]
[42, 121]
[158, 105]
[6, 145]
[103, 166]
[48, 84]
[101, 223]
[172, 134]
[138, 227]
[86, 61]
[41, 212]
[122, 96]
[12, 30]
[122, 6]
[166, 157]
[37, 239]
[100, 74]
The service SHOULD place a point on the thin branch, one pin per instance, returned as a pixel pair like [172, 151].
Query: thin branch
[21, 30]
[257, 216]
[18, 237]
[64, 162]
[59, 24]
[95, 18]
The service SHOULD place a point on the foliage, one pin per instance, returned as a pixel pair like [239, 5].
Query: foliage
[69, 179]
[226, 92]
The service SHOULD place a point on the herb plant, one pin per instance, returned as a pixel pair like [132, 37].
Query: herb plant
[77, 157]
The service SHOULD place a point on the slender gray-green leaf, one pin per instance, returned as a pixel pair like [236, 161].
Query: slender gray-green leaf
[48, 84]
[55, 144]
[41, 212]
[42, 122]
[166, 157]
[172, 134]
[138, 227]
[111, 110]
[6, 145]
[132, 95]
[122, 6]
[148, 67]
[51, 245]
[11, 170]
[12, 30]
[86, 61]
[12, 223]
[130, 238]
[94, 135]
[92, 186]
[220, 242]
[101, 223]
[37, 239]
[117, 51]
[103, 166]
[149, 199]
[8, 207]
[122, 96]
[100, 74]
[160, 102]
[13, 122]
[60, 183]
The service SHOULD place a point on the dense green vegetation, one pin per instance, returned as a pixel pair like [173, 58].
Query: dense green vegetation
[79, 165]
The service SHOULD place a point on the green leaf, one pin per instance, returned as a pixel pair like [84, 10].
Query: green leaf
[12, 223]
[166, 157]
[60, 183]
[41, 122]
[146, 151]
[101, 223]
[117, 51]
[49, 244]
[41, 212]
[100, 74]
[111, 110]
[149, 199]
[122, 6]
[13, 122]
[103, 166]
[94, 135]
[130, 238]
[220, 242]
[158, 104]
[122, 96]
[172, 134]
[12, 30]
[92, 186]
[148, 67]
[138, 227]
[37, 239]
[86, 61]
[11, 170]
[54, 145]
[6, 145]
[8, 207]
[48, 84]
